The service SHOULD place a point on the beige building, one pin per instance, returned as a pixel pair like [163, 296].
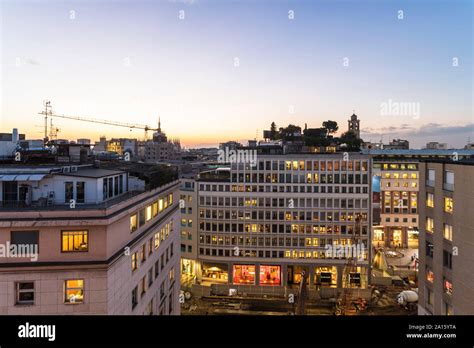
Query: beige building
[399, 185]
[446, 281]
[264, 225]
[84, 242]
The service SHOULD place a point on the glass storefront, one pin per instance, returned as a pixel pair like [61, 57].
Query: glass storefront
[270, 275]
[244, 274]
[295, 273]
[214, 273]
[325, 276]
[412, 236]
[357, 278]
[378, 238]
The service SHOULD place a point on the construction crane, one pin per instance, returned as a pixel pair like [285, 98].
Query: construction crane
[48, 112]
[345, 300]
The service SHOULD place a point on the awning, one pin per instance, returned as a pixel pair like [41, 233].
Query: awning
[8, 177]
[23, 177]
[36, 177]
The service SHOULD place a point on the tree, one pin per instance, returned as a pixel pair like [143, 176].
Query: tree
[331, 126]
[273, 131]
[288, 133]
[351, 141]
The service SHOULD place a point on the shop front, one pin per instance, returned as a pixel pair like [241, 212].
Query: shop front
[325, 276]
[188, 271]
[270, 275]
[356, 278]
[215, 273]
[378, 239]
[295, 273]
[396, 238]
[243, 274]
[412, 236]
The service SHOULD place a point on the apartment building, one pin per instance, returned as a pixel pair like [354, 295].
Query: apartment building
[188, 227]
[396, 186]
[87, 240]
[447, 237]
[266, 224]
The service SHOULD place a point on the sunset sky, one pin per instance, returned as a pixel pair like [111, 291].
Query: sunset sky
[132, 61]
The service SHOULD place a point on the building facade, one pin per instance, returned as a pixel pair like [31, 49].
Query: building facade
[447, 238]
[86, 242]
[266, 224]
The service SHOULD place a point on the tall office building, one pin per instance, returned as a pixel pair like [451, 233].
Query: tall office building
[266, 224]
[85, 240]
[447, 237]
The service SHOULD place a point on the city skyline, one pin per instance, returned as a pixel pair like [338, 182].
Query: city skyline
[225, 71]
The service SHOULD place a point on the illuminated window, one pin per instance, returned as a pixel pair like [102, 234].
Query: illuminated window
[287, 165]
[155, 209]
[448, 287]
[74, 291]
[295, 165]
[387, 175]
[244, 274]
[430, 200]
[160, 205]
[148, 213]
[448, 232]
[170, 199]
[270, 275]
[134, 261]
[429, 224]
[133, 223]
[74, 241]
[414, 175]
[429, 275]
[448, 205]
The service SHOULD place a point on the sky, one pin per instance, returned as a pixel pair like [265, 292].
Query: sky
[220, 70]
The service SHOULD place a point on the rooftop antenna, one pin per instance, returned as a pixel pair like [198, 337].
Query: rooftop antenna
[47, 112]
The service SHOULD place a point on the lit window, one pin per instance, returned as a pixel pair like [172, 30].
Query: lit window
[448, 205]
[133, 223]
[74, 241]
[74, 291]
[430, 200]
[448, 232]
[270, 275]
[429, 224]
[148, 213]
[429, 275]
[134, 261]
[157, 240]
[448, 287]
[244, 274]
[160, 205]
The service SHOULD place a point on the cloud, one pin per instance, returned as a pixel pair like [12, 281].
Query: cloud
[429, 129]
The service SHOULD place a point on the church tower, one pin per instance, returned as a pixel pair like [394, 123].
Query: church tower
[354, 125]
